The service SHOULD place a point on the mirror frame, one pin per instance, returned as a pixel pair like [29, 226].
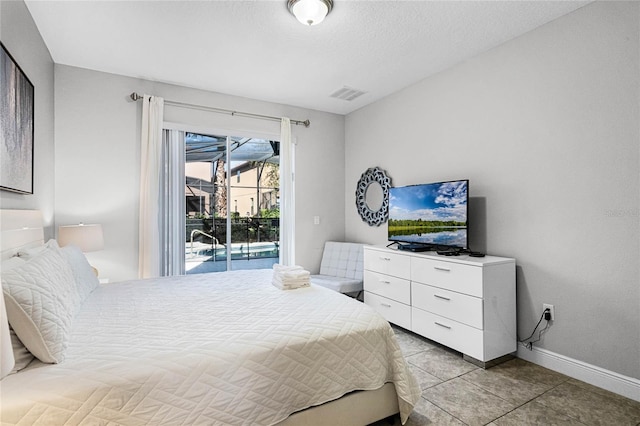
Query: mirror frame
[371, 176]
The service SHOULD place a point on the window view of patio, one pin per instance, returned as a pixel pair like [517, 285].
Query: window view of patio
[232, 203]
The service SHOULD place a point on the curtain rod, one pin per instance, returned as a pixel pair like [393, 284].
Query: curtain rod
[136, 97]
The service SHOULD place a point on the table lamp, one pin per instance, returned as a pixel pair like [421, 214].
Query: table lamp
[86, 237]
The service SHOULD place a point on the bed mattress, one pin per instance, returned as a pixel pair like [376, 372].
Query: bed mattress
[224, 348]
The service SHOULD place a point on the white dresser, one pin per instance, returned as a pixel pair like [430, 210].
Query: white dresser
[465, 303]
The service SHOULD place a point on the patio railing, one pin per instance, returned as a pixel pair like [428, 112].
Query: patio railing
[250, 238]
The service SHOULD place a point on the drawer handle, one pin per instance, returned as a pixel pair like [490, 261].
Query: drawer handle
[440, 268]
[442, 325]
[441, 297]
[385, 282]
[385, 305]
[384, 258]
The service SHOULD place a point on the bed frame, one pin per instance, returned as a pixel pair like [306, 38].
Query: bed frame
[355, 408]
[24, 229]
[19, 229]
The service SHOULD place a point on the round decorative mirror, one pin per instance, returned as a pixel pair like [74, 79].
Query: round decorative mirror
[372, 196]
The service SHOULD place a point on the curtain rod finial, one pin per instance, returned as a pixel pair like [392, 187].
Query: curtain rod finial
[134, 96]
[306, 123]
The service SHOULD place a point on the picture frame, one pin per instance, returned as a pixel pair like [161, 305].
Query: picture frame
[17, 97]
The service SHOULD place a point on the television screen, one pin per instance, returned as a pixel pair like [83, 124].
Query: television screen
[433, 214]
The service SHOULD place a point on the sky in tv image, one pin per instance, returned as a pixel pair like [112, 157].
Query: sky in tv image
[446, 201]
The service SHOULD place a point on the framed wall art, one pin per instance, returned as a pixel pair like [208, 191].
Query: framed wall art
[16, 126]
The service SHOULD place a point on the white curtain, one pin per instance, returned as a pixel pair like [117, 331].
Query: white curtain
[150, 167]
[287, 191]
[172, 203]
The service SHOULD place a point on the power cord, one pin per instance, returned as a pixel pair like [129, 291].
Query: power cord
[528, 343]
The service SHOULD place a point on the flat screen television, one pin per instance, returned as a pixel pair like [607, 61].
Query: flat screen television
[432, 215]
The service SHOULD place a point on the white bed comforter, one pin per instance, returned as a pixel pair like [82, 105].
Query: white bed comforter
[226, 348]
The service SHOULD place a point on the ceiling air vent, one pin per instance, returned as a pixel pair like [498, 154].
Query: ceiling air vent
[347, 93]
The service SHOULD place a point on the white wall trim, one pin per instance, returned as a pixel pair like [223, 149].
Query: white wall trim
[609, 380]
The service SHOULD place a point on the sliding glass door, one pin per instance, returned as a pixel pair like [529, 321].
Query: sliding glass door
[232, 200]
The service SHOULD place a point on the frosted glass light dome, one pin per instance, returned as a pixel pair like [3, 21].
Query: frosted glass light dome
[310, 12]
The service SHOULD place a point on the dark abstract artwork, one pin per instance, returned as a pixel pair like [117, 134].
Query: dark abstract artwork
[16, 126]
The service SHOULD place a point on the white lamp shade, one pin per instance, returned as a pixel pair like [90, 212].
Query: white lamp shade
[87, 237]
[310, 12]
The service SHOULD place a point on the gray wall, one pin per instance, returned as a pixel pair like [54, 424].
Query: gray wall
[22, 39]
[546, 129]
[98, 160]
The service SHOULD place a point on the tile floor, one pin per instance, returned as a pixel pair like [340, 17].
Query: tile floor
[516, 392]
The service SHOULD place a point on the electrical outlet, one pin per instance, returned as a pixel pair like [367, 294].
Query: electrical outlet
[546, 306]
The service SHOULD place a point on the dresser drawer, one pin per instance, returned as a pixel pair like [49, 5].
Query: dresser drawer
[453, 334]
[394, 312]
[448, 275]
[449, 304]
[387, 263]
[388, 286]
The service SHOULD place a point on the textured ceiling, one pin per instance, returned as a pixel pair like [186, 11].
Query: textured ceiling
[256, 49]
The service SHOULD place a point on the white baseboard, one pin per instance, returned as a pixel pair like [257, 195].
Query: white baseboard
[605, 379]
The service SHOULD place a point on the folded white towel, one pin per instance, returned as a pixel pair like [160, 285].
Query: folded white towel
[291, 283]
[283, 279]
[286, 268]
[282, 286]
[290, 277]
[294, 275]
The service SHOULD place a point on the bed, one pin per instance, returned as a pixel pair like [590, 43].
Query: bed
[221, 348]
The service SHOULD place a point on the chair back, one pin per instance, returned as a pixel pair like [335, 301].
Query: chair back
[343, 260]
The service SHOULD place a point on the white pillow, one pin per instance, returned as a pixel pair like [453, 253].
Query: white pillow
[7, 360]
[12, 262]
[41, 300]
[86, 279]
[21, 354]
[8, 350]
[28, 253]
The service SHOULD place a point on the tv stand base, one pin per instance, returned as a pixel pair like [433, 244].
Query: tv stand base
[415, 247]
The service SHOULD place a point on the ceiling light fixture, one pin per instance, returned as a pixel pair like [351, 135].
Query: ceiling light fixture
[310, 12]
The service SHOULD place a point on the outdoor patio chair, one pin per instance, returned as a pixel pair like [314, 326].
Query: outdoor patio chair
[341, 268]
